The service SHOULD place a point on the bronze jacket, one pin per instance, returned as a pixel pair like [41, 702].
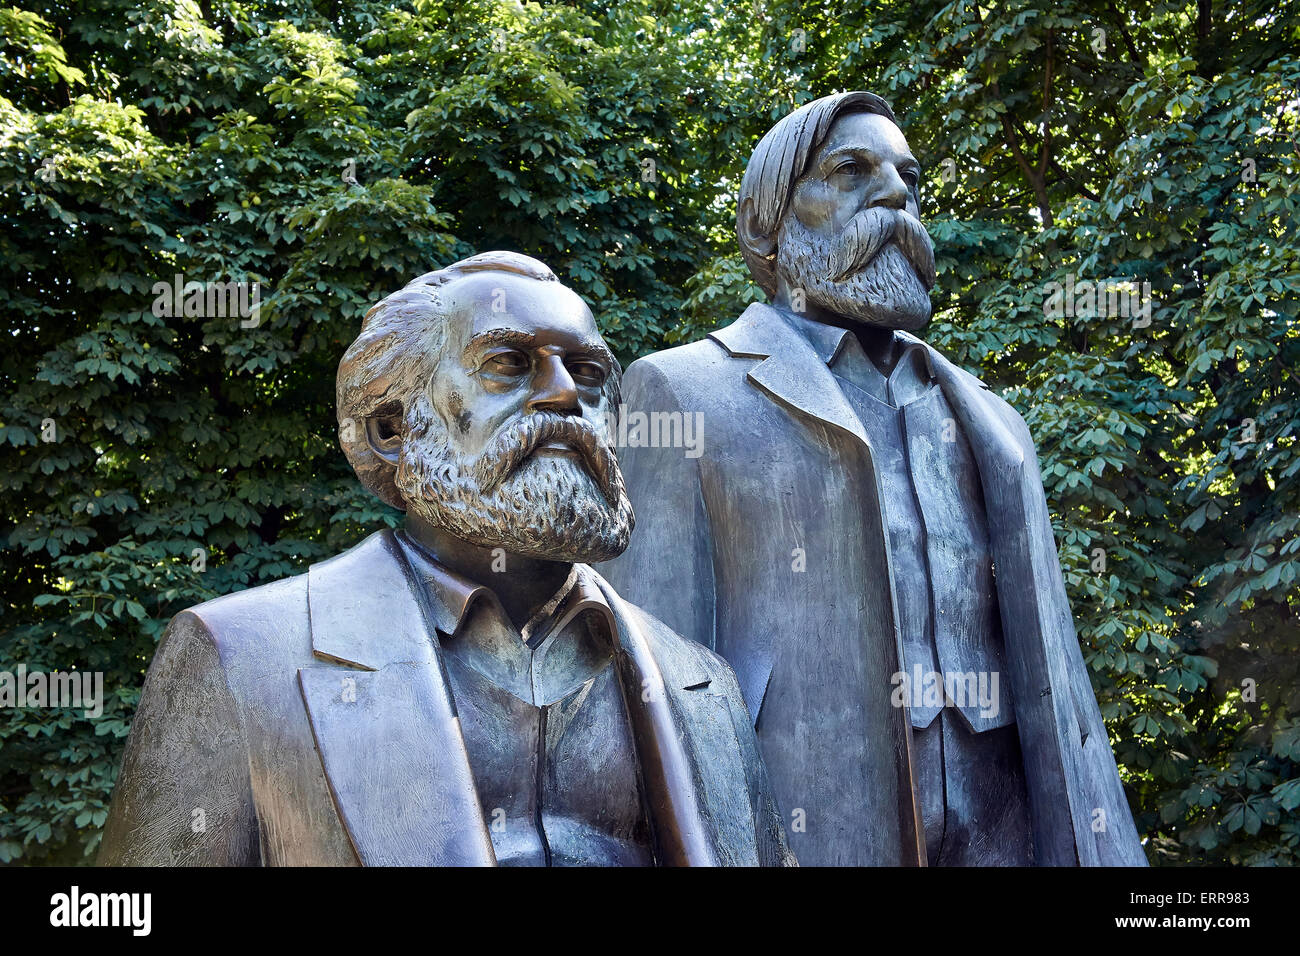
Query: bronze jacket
[786, 464]
[309, 722]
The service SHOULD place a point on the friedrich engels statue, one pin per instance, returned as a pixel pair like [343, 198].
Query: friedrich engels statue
[865, 537]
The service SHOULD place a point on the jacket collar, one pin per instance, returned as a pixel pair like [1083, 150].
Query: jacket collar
[793, 370]
[762, 330]
[362, 609]
[828, 341]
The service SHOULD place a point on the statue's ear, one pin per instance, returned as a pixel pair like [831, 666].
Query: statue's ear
[751, 235]
[384, 433]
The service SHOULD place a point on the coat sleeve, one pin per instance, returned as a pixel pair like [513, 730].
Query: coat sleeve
[668, 566]
[1104, 832]
[184, 797]
[769, 825]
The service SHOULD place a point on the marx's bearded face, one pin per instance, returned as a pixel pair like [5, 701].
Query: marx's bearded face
[850, 237]
[505, 443]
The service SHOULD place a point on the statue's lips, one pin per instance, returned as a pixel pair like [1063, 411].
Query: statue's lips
[558, 448]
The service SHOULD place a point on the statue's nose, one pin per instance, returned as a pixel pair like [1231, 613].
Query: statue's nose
[553, 388]
[890, 190]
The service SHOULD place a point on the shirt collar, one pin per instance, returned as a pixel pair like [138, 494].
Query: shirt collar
[451, 595]
[828, 341]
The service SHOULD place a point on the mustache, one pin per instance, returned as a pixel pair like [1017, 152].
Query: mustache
[870, 231]
[516, 443]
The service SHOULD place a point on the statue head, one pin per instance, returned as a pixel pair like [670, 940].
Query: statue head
[475, 398]
[828, 212]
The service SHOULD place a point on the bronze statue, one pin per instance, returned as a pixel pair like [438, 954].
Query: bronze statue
[463, 691]
[865, 537]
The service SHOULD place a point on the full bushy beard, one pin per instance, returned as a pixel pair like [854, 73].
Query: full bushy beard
[877, 270]
[555, 508]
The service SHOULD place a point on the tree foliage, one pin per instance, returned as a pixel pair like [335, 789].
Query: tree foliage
[151, 461]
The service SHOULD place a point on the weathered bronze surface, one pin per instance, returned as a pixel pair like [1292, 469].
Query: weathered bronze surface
[464, 691]
[865, 537]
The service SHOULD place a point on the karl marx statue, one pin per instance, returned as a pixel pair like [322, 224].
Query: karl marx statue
[865, 537]
[463, 691]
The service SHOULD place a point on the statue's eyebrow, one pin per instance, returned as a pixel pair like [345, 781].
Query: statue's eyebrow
[494, 338]
[906, 160]
[596, 350]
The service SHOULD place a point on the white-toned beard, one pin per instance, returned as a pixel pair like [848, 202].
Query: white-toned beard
[886, 292]
[548, 507]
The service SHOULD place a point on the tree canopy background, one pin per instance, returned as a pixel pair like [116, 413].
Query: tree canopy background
[149, 463]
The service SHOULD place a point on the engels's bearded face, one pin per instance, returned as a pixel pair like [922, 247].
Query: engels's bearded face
[506, 445]
[850, 238]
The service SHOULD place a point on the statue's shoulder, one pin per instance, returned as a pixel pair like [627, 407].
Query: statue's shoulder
[289, 595]
[275, 615]
[679, 360]
[253, 615]
[241, 639]
[984, 400]
[270, 598]
[696, 373]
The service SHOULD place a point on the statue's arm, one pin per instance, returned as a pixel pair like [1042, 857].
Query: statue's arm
[769, 823]
[668, 567]
[183, 797]
[1108, 827]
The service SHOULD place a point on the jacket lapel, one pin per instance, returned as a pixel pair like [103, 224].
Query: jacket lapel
[385, 725]
[792, 372]
[663, 741]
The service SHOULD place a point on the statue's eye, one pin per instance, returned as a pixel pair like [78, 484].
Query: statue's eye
[507, 362]
[592, 374]
[911, 178]
[847, 168]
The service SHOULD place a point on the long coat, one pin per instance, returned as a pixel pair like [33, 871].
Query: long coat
[309, 722]
[786, 470]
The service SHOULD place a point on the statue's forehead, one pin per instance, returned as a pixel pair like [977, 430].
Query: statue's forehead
[498, 300]
[869, 132]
